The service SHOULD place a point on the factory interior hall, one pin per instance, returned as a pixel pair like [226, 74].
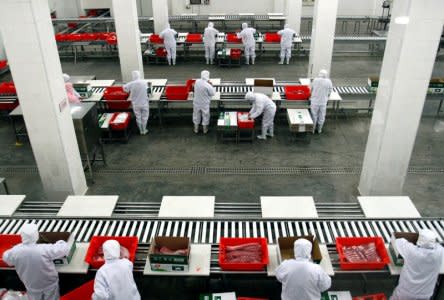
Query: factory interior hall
[86, 168]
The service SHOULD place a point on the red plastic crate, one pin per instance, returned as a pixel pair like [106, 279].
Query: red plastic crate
[119, 126]
[3, 63]
[235, 53]
[7, 88]
[190, 84]
[194, 38]
[84, 291]
[155, 39]
[104, 35]
[74, 37]
[297, 92]
[111, 40]
[7, 241]
[115, 93]
[371, 297]
[242, 266]
[90, 36]
[61, 37]
[161, 52]
[177, 92]
[271, 37]
[129, 242]
[232, 38]
[248, 124]
[355, 241]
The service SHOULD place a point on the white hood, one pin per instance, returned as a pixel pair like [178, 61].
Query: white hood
[29, 233]
[302, 249]
[111, 249]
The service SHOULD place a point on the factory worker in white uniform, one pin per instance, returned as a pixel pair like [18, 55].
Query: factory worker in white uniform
[422, 263]
[321, 88]
[262, 104]
[139, 98]
[114, 280]
[209, 38]
[73, 96]
[203, 91]
[301, 278]
[169, 40]
[34, 264]
[247, 36]
[287, 35]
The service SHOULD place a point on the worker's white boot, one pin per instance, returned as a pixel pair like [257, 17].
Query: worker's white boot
[211, 61]
[320, 129]
[288, 60]
[252, 60]
[208, 61]
[263, 134]
[205, 129]
[169, 61]
[174, 61]
[282, 61]
[196, 128]
[270, 132]
[247, 60]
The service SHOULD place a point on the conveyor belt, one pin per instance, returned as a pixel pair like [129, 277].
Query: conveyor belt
[352, 90]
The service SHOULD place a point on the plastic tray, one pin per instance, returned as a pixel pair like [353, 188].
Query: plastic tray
[115, 93]
[155, 39]
[371, 297]
[297, 92]
[242, 266]
[355, 241]
[235, 53]
[232, 38]
[129, 242]
[161, 52]
[271, 37]
[248, 124]
[194, 38]
[176, 92]
[7, 241]
[119, 126]
[84, 291]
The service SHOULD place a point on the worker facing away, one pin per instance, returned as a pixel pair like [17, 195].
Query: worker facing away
[262, 104]
[203, 91]
[301, 278]
[321, 88]
[169, 40]
[34, 263]
[209, 38]
[114, 280]
[422, 263]
[138, 89]
[247, 36]
[287, 35]
[73, 96]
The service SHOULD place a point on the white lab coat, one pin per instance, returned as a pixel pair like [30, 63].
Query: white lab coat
[247, 36]
[115, 281]
[265, 105]
[302, 279]
[139, 98]
[286, 41]
[169, 40]
[320, 91]
[35, 267]
[203, 91]
[209, 37]
[420, 271]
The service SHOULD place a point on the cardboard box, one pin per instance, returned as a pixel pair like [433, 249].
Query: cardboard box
[169, 263]
[412, 237]
[264, 86]
[52, 237]
[286, 248]
[299, 120]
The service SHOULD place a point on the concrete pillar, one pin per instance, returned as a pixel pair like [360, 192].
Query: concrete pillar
[279, 6]
[128, 37]
[294, 14]
[37, 72]
[160, 15]
[322, 36]
[68, 9]
[410, 53]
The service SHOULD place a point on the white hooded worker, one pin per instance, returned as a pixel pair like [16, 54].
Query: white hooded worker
[301, 278]
[115, 280]
[422, 263]
[73, 96]
[321, 88]
[262, 104]
[34, 264]
[138, 89]
[209, 38]
[247, 36]
[169, 40]
[287, 35]
[203, 91]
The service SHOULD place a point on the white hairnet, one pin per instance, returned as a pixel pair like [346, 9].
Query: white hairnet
[29, 233]
[210, 24]
[250, 96]
[136, 75]
[323, 73]
[426, 239]
[302, 248]
[66, 77]
[205, 75]
[244, 25]
[111, 249]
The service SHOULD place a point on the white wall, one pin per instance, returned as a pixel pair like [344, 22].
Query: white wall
[92, 4]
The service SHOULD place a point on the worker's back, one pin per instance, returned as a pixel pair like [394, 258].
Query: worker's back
[210, 35]
[320, 90]
[203, 91]
[169, 37]
[138, 92]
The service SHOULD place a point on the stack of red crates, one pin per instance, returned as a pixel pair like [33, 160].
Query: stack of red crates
[232, 38]
[194, 38]
[271, 37]
[116, 98]
[155, 39]
[121, 125]
[235, 53]
[129, 242]
[297, 92]
[161, 52]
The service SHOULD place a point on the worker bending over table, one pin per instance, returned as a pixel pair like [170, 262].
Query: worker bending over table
[262, 104]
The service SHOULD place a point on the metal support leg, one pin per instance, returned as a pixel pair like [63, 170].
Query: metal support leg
[439, 107]
[5, 186]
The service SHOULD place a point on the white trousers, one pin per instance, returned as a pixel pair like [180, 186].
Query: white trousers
[285, 52]
[399, 295]
[142, 114]
[171, 52]
[46, 295]
[209, 51]
[318, 112]
[250, 51]
[201, 114]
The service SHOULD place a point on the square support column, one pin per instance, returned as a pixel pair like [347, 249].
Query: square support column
[35, 66]
[294, 14]
[160, 15]
[410, 53]
[128, 37]
[68, 9]
[322, 36]
[279, 6]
